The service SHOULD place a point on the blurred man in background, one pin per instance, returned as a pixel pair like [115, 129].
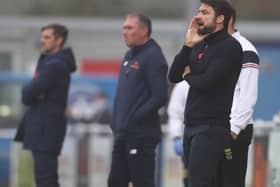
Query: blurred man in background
[142, 89]
[43, 126]
[175, 110]
[245, 97]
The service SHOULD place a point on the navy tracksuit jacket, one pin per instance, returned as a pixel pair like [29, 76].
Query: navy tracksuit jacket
[142, 90]
[43, 126]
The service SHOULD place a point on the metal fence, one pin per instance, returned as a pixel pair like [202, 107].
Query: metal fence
[86, 155]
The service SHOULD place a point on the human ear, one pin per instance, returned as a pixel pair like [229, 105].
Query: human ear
[220, 18]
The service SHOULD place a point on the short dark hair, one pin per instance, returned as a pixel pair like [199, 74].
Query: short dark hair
[221, 7]
[58, 31]
[144, 21]
[233, 15]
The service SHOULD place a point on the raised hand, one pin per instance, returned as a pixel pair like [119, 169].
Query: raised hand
[192, 35]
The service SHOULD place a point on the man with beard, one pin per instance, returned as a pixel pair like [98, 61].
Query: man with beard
[210, 61]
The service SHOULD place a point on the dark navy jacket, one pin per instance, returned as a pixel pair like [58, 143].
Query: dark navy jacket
[43, 126]
[141, 91]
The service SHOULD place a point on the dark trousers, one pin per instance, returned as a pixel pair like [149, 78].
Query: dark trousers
[185, 173]
[233, 173]
[133, 161]
[203, 153]
[45, 169]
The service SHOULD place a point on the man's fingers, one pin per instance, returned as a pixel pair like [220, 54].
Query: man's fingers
[194, 24]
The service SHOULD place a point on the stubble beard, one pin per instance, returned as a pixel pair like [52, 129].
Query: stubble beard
[206, 30]
[48, 51]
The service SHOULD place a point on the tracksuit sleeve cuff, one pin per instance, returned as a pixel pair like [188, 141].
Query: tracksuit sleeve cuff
[235, 129]
[186, 48]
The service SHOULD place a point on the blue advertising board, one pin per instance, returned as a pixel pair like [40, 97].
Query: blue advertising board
[5, 145]
[268, 102]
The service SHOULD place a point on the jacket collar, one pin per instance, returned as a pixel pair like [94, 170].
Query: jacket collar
[236, 33]
[217, 36]
[139, 48]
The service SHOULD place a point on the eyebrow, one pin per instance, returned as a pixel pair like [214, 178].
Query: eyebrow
[204, 11]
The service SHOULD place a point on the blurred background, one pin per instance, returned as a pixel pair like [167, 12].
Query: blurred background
[96, 37]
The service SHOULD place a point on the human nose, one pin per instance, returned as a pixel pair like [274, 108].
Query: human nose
[125, 31]
[197, 16]
[41, 41]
